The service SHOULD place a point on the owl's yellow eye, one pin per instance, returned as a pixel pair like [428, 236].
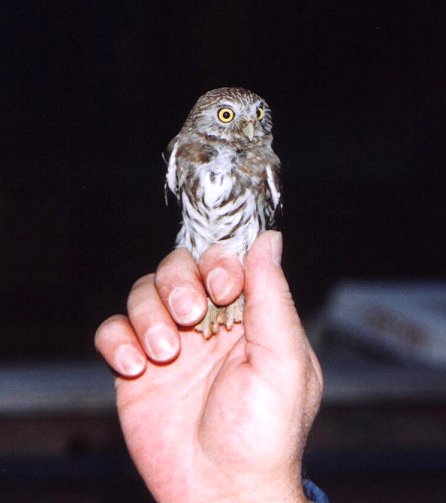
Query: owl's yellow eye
[260, 113]
[225, 115]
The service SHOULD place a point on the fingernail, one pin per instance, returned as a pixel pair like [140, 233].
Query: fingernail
[161, 343]
[185, 305]
[219, 283]
[129, 361]
[276, 248]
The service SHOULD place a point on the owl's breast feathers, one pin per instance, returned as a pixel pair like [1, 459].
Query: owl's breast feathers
[227, 194]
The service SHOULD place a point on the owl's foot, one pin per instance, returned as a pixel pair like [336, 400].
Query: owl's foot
[215, 316]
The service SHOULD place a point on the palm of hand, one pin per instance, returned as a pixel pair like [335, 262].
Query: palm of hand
[209, 413]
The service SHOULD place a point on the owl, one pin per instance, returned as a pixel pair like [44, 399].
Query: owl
[224, 173]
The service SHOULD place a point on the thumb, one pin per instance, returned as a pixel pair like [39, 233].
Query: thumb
[271, 320]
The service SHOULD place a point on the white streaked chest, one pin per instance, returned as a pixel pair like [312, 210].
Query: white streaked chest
[217, 178]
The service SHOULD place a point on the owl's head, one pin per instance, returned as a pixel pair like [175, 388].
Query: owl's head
[231, 113]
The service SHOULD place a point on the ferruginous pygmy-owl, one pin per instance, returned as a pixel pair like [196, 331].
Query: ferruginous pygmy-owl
[224, 173]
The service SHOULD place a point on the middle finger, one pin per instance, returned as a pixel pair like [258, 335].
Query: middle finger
[154, 327]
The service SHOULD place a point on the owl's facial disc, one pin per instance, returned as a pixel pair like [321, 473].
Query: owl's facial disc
[243, 117]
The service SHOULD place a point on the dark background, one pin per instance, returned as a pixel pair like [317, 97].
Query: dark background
[93, 91]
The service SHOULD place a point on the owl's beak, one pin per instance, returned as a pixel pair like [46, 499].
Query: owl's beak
[248, 130]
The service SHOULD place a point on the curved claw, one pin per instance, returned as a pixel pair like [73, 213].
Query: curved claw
[215, 316]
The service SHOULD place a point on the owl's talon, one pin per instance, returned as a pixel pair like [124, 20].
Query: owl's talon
[217, 316]
[229, 320]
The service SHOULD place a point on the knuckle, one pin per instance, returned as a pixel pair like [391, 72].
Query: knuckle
[140, 289]
[107, 330]
[141, 282]
[138, 311]
[174, 274]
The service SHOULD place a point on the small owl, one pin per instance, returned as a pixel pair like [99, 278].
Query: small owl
[224, 173]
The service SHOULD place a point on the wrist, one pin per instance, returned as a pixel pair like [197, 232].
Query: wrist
[258, 490]
[261, 495]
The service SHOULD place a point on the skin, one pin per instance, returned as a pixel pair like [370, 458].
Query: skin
[222, 420]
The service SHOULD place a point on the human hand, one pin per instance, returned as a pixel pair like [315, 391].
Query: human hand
[224, 419]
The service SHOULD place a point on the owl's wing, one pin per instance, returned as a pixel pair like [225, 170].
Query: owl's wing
[171, 175]
[273, 195]
[185, 157]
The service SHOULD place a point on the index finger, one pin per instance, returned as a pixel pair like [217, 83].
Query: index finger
[183, 285]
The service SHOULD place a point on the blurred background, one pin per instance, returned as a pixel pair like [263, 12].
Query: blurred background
[92, 92]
